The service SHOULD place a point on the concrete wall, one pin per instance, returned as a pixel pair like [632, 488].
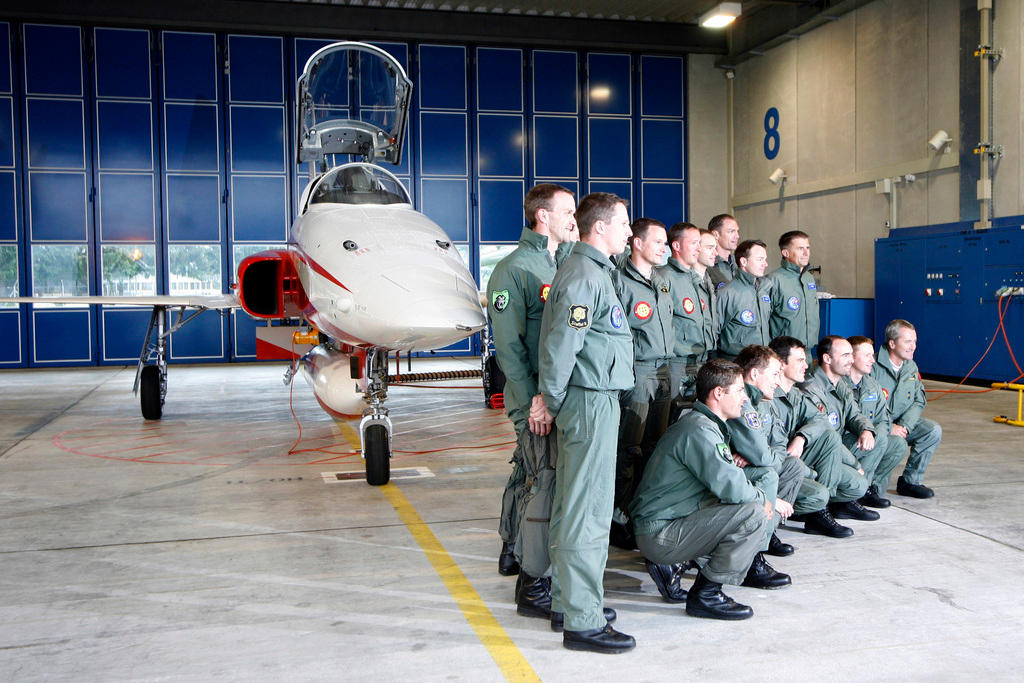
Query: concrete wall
[856, 97]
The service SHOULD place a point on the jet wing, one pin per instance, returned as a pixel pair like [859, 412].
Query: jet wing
[221, 301]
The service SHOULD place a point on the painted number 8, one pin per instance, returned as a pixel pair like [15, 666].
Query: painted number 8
[771, 130]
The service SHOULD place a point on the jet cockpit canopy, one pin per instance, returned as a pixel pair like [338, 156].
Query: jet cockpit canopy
[353, 98]
[358, 183]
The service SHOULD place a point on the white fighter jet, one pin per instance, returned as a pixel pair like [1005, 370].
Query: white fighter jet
[364, 271]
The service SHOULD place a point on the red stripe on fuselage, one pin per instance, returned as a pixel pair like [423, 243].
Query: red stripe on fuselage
[320, 270]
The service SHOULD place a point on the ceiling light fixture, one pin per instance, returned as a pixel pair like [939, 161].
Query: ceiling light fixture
[721, 15]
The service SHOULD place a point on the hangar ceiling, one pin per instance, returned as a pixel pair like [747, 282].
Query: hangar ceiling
[653, 25]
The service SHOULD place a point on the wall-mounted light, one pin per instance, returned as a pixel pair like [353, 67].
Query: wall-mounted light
[940, 141]
[600, 93]
[721, 15]
[777, 176]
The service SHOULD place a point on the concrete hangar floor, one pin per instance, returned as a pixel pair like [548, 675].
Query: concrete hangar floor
[196, 549]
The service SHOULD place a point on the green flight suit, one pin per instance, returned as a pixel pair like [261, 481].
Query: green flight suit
[871, 400]
[824, 453]
[840, 406]
[743, 310]
[693, 325]
[907, 400]
[796, 480]
[693, 503]
[586, 359]
[647, 304]
[723, 272]
[794, 295]
[516, 293]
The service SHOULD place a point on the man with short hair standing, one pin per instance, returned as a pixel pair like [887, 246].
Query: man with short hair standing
[744, 305]
[794, 292]
[727, 235]
[586, 359]
[897, 372]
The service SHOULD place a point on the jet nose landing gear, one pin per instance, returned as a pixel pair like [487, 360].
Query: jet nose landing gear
[375, 427]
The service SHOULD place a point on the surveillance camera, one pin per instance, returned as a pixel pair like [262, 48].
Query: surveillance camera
[777, 175]
[939, 141]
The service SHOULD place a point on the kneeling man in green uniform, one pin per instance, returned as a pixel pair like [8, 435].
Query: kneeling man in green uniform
[694, 503]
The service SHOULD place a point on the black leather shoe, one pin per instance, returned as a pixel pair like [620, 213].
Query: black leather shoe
[666, 578]
[707, 600]
[533, 599]
[507, 564]
[558, 619]
[604, 640]
[823, 523]
[905, 488]
[777, 548]
[762, 575]
[852, 510]
[871, 499]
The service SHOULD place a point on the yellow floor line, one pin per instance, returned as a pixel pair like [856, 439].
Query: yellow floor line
[499, 645]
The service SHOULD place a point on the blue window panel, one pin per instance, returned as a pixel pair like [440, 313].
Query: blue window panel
[244, 335]
[662, 149]
[10, 337]
[500, 144]
[6, 131]
[304, 49]
[256, 69]
[57, 206]
[124, 132]
[501, 210]
[5, 58]
[53, 60]
[190, 66]
[193, 208]
[664, 201]
[443, 144]
[192, 138]
[8, 206]
[257, 139]
[259, 208]
[56, 133]
[624, 190]
[201, 339]
[122, 63]
[556, 146]
[446, 202]
[404, 167]
[611, 152]
[442, 82]
[555, 82]
[121, 333]
[62, 336]
[661, 86]
[610, 87]
[499, 78]
[127, 207]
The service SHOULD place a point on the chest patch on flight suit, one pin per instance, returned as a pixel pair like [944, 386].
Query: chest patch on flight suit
[642, 310]
[793, 303]
[812, 286]
[616, 317]
[752, 419]
[833, 418]
[871, 397]
[544, 289]
[724, 452]
[703, 306]
[664, 288]
[688, 306]
[885, 392]
[579, 316]
[765, 298]
[720, 285]
[747, 317]
[500, 300]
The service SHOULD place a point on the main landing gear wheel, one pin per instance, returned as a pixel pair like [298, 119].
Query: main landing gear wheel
[149, 392]
[376, 451]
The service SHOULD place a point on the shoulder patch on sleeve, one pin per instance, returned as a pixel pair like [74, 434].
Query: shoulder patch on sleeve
[500, 300]
[579, 316]
[724, 452]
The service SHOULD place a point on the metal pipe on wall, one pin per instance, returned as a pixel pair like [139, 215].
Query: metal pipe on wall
[985, 115]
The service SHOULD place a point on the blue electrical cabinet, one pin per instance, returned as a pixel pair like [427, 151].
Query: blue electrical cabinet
[946, 280]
